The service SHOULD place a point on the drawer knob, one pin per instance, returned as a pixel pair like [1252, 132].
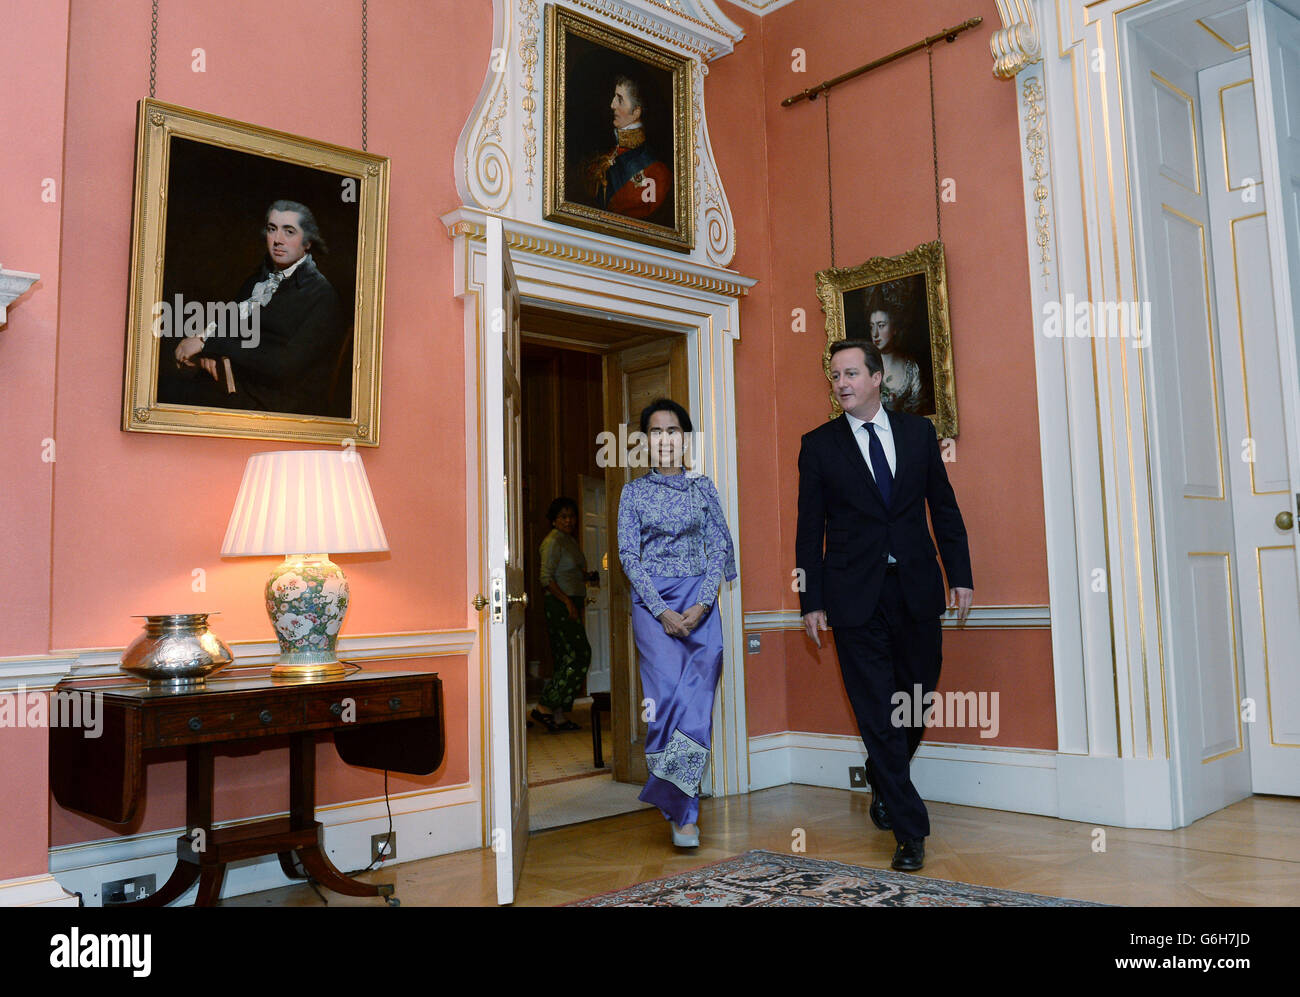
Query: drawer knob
[395, 703]
[264, 716]
[336, 709]
[195, 723]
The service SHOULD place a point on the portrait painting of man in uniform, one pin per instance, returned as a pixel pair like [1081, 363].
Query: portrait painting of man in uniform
[619, 134]
[257, 278]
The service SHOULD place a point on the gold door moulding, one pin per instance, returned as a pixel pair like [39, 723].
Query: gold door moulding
[1036, 146]
[1236, 678]
[1213, 365]
[1263, 623]
[604, 261]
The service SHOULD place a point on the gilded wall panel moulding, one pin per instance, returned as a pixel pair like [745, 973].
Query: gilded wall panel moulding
[528, 56]
[603, 260]
[1036, 146]
[1016, 45]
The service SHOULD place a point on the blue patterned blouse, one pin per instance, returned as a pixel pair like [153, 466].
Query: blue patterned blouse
[672, 525]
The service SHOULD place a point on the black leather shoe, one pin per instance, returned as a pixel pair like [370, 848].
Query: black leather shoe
[879, 815]
[909, 855]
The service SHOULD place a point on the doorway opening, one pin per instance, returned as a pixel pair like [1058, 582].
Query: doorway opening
[583, 376]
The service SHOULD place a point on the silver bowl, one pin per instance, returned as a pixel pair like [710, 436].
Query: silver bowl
[176, 649]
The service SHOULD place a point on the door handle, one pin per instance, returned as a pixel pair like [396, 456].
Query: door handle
[479, 602]
[1284, 521]
[521, 599]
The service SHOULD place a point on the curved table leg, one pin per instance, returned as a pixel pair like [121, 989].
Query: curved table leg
[325, 873]
[181, 879]
[210, 885]
[287, 866]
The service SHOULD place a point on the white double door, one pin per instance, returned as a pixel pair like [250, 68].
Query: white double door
[1217, 162]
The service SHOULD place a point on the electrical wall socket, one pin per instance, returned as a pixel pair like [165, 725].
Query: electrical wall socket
[377, 849]
[124, 891]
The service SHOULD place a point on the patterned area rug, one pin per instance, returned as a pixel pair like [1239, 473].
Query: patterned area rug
[770, 879]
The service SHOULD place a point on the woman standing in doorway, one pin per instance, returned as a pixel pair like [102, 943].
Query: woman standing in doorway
[675, 548]
[564, 579]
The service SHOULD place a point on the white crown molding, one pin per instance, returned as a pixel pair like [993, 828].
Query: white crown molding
[762, 7]
[1017, 44]
[980, 618]
[36, 672]
[13, 285]
[499, 157]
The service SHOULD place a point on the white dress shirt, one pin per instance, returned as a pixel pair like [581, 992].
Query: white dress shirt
[886, 436]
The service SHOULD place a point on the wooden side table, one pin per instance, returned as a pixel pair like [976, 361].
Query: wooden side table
[390, 720]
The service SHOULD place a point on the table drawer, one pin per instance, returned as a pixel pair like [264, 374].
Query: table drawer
[190, 722]
[345, 706]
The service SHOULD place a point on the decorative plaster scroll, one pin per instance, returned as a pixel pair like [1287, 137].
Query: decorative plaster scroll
[717, 230]
[1036, 146]
[484, 176]
[13, 285]
[1017, 44]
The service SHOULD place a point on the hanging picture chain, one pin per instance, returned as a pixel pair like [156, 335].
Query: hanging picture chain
[153, 51]
[934, 145]
[830, 201]
[364, 68]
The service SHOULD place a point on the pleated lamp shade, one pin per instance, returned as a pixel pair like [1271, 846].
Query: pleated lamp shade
[304, 502]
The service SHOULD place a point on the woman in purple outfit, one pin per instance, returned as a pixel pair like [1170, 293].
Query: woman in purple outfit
[675, 548]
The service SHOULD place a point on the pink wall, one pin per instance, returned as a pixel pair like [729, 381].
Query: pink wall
[884, 205]
[33, 54]
[93, 539]
[736, 128]
[111, 519]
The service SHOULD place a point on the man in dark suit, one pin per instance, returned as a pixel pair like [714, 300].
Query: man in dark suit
[865, 480]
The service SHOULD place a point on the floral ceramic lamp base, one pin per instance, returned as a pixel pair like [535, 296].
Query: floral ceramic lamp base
[307, 598]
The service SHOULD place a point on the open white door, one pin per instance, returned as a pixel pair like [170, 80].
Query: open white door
[1275, 61]
[505, 644]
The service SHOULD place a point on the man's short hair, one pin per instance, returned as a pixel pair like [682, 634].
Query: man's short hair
[307, 222]
[874, 362]
[633, 90]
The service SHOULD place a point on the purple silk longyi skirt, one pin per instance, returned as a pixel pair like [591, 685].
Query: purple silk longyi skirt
[679, 677]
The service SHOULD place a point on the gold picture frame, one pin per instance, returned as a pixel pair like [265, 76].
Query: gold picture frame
[591, 179]
[904, 299]
[209, 193]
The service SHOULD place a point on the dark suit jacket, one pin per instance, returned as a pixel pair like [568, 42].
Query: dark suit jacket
[840, 503]
[302, 334]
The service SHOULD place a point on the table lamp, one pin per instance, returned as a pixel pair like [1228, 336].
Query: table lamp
[305, 505]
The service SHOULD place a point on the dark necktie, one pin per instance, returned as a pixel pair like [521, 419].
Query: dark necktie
[884, 479]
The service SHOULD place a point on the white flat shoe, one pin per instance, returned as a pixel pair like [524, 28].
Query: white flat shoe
[683, 840]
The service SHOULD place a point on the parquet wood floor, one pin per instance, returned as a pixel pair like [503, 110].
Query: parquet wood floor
[1248, 854]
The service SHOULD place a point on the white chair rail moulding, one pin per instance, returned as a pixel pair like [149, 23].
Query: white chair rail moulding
[13, 285]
